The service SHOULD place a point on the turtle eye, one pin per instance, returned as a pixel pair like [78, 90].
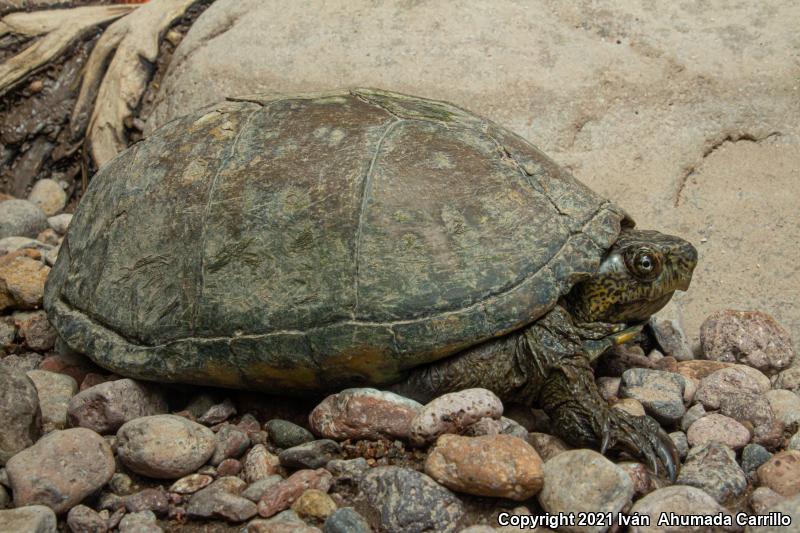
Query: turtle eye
[644, 263]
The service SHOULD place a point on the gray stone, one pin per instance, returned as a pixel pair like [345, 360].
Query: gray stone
[794, 442]
[82, 519]
[315, 454]
[5, 497]
[347, 471]
[104, 408]
[659, 392]
[746, 407]
[680, 500]
[432, 508]
[54, 391]
[212, 502]
[604, 487]
[693, 414]
[283, 522]
[753, 456]
[153, 499]
[22, 363]
[19, 411]
[713, 468]
[285, 434]
[10, 244]
[30, 519]
[670, 336]
[21, 218]
[731, 380]
[785, 405]
[164, 446]
[608, 387]
[763, 498]
[60, 223]
[34, 328]
[140, 522]
[681, 443]
[788, 379]
[258, 488]
[718, 428]
[346, 520]
[231, 443]
[218, 413]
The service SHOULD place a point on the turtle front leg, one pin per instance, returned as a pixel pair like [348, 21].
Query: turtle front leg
[569, 395]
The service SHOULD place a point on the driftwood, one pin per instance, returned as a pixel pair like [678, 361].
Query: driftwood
[57, 29]
[112, 88]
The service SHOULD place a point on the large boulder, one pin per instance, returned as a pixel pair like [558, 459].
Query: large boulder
[630, 96]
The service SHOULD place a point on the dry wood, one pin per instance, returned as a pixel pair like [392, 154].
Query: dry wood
[61, 27]
[136, 39]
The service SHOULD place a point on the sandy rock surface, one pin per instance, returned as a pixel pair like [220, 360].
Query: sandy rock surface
[686, 114]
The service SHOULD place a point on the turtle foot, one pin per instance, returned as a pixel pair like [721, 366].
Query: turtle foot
[641, 437]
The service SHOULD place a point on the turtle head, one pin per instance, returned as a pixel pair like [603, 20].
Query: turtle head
[637, 277]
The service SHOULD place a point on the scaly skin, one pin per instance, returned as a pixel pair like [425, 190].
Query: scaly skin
[548, 362]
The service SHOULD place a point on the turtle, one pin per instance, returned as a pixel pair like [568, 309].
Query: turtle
[303, 244]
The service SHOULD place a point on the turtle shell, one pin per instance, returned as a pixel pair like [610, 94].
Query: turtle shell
[312, 242]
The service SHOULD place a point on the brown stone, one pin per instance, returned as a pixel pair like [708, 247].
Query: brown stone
[546, 445]
[499, 466]
[105, 407]
[700, 368]
[22, 278]
[453, 413]
[259, 463]
[36, 330]
[61, 469]
[781, 473]
[283, 494]
[364, 414]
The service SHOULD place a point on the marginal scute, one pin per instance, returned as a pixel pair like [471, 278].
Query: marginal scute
[315, 242]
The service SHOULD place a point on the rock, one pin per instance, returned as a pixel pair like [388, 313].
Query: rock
[609, 387]
[35, 329]
[753, 456]
[230, 484]
[148, 500]
[72, 364]
[315, 454]
[22, 277]
[712, 467]
[728, 381]
[631, 406]
[259, 463]
[643, 482]
[605, 487]
[785, 405]
[61, 469]
[769, 435]
[789, 379]
[283, 494]
[523, 415]
[718, 428]
[498, 466]
[346, 520]
[347, 470]
[164, 446]
[49, 196]
[454, 412]
[121, 484]
[191, 483]
[671, 337]
[315, 504]
[212, 502]
[700, 368]
[763, 498]
[54, 391]
[104, 408]
[8, 334]
[364, 414]
[512, 428]
[285, 434]
[693, 414]
[141, 522]
[678, 500]
[21, 218]
[284, 522]
[229, 467]
[794, 442]
[19, 411]
[256, 490]
[660, 393]
[21, 363]
[49, 237]
[547, 446]
[752, 338]
[746, 407]
[433, 508]
[218, 413]
[484, 427]
[681, 443]
[60, 223]
[12, 244]
[788, 509]
[30, 519]
[781, 473]
[5, 498]
[82, 519]
[231, 443]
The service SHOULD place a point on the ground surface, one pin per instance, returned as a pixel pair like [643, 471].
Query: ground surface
[686, 114]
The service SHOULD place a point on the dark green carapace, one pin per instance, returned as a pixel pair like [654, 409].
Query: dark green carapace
[314, 242]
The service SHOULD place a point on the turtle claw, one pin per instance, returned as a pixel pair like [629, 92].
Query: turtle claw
[642, 437]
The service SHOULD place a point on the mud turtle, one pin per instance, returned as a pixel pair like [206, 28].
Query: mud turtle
[315, 242]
